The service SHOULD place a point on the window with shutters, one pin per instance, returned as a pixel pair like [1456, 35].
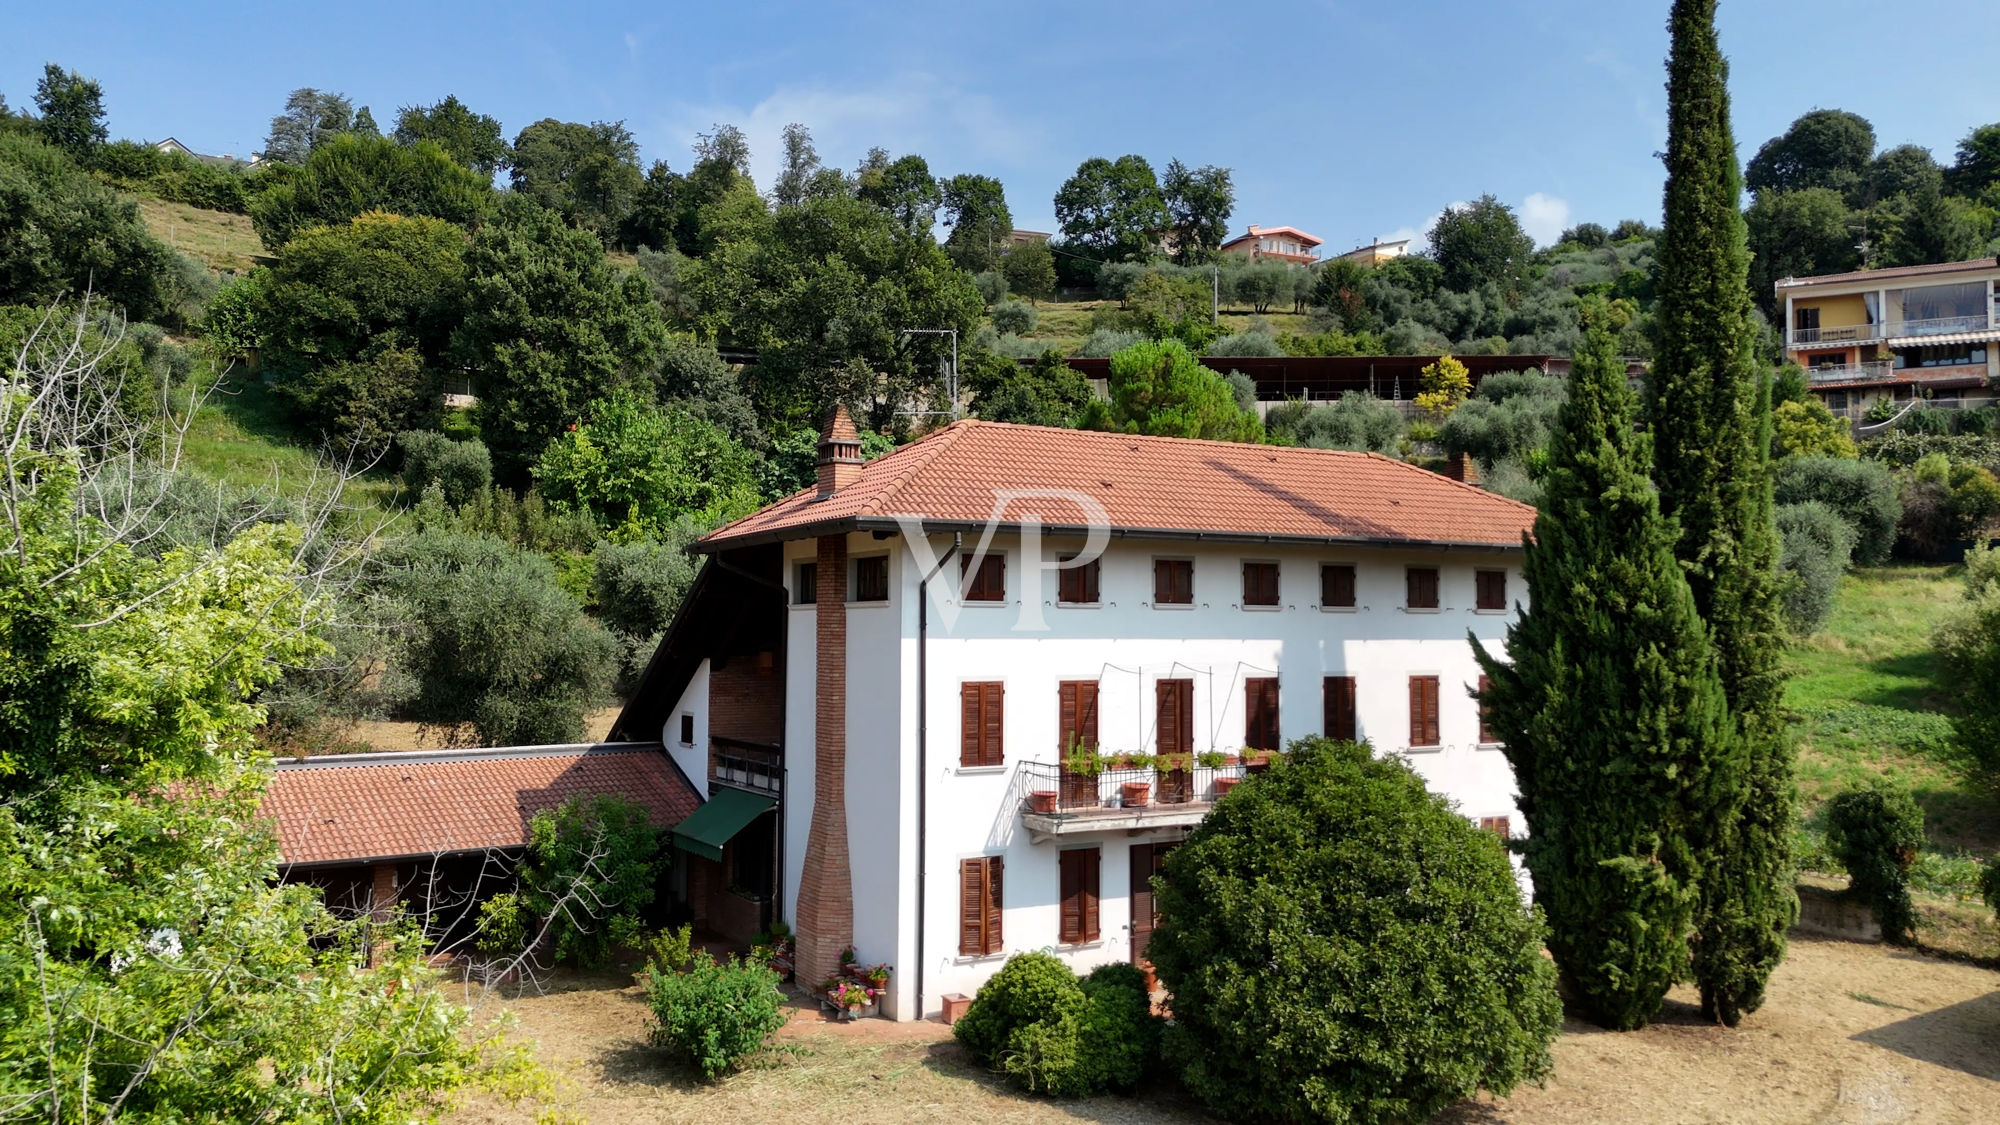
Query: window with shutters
[1173, 717]
[979, 899]
[1424, 711]
[1421, 587]
[1173, 581]
[987, 583]
[871, 579]
[1260, 583]
[980, 721]
[1491, 589]
[1077, 585]
[1336, 586]
[1340, 708]
[1497, 825]
[1486, 735]
[1078, 869]
[805, 586]
[1260, 710]
[1076, 707]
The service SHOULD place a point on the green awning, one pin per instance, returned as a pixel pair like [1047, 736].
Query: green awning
[727, 812]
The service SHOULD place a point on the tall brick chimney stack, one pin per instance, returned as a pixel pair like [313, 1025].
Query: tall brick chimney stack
[1462, 467]
[823, 915]
[839, 453]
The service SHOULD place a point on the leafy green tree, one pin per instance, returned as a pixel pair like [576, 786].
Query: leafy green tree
[1480, 243]
[1356, 420]
[310, 119]
[1827, 148]
[64, 233]
[1806, 428]
[348, 175]
[587, 173]
[1174, 306]
[1340, 287]
[1968, 644]
[472, 139]
[1978, 165]
[490, 643]
[798, 164]
[976, 208]
[1590, 236]
[1031, 270]
[1816, 547]
[1199, 202]
[1935, 228]
[1798, 234]
[72, 108]
[1442, 386]
[1862, 491]
[1902, 171]
[656, 213]
[1161, 388]
[1709, 407]
[364, 123]
[903, 187]
[642, 469]
[603, 856]
[1342, 945]
[1509, 418]
[548, 326]
[460, 469]
[1611, 677]
[1050, 393]
[1112, 211]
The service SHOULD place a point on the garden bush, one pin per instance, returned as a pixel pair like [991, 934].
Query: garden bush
[1015, 318]
[1862, 492]
[1817, 546]
[1356, 420]
[461, 468]
[1052, 1034]
[1968, 645]
[589, 874]
[1029, 988]
[1342, 945]
[716, 1014]
[1875, 831]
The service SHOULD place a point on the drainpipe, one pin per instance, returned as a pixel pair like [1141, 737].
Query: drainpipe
[923, 746]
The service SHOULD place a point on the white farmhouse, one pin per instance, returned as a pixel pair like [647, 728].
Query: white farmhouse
[872, 682]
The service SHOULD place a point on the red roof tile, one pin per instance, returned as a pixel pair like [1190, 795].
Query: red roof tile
[363, 807]
[1169, 487]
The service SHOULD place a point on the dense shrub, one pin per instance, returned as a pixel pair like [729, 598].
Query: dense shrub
[1250, 343]
[462, 469]
[351, 174]
[1049, 393]
[636, 466]
[1875, 831]
[1015, 317]
[716, 1014]
[1862, 492]
[1356, 420]
[1104, 342]
[1806, 428]
[230, 321]
[1342, 945]
[1509, 417]
[1052, 1034]
[1817, 545]
[1925, 531]
[589, 872]
[1968, 643]
[992, 286]
[62, 234]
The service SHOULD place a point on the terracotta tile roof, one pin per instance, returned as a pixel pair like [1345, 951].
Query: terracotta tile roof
[356, 808]
[1891, 274]
[1169, 488]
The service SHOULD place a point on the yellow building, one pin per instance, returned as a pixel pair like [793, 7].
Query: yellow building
[1377, 252]
[1908, 332]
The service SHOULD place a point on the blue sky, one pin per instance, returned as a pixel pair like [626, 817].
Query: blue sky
[1350, 120]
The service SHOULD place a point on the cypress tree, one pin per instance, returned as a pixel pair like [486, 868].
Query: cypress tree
[1709, 407]
[1611, 698]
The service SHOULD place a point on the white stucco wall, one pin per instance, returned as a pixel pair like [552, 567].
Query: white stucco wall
[1126, 645]
[692, 758]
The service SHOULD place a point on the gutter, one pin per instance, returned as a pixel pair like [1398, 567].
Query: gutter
[923, 752]
[849, 524]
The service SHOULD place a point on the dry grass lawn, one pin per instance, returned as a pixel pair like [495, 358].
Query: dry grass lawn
[1852, 1034]
[223, 240]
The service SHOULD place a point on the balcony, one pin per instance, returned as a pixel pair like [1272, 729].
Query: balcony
[752, 766]
[1938, 326]
[1056, 803]
[1871, 371]
[1836, 334]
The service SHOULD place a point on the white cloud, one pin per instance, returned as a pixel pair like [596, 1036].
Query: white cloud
[1544, 217]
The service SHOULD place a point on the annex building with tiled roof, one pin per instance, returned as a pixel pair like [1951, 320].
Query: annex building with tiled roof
[883, 673]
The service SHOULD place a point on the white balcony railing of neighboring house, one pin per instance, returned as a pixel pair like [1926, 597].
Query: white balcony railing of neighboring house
[1939, 325]
[1853, 372]
[1836, 334]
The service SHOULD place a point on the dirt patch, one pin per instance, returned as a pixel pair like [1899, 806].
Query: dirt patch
[387, 735]
[1852, 1034]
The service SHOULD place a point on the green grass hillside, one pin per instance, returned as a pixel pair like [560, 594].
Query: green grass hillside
[236, 437]
[222, 240]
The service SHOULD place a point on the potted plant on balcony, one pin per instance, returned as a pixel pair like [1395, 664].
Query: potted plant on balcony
[1211, 759]
[1081, 763]
[1132, 760]
[1041, 800]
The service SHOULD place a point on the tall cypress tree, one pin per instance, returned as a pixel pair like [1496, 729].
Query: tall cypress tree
[1610, 705]
[1709, 406]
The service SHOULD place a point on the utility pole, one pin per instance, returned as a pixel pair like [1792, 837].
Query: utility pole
[951, 373]
[1215, 294]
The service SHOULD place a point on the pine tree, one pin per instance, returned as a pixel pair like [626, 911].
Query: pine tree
[1611, 698]
[1709, 406]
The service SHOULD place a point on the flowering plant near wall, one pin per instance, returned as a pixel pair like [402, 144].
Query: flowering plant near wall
[850, 994]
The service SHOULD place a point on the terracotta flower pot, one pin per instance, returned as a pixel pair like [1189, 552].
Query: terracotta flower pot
[1224, 784]
[1042, 800]
[1135, 794]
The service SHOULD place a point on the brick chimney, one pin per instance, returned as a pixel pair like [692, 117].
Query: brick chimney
[1462, 467]
[823, 914]
[839, 453]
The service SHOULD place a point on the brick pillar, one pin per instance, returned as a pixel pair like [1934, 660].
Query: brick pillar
[825, 910]
[381, 903]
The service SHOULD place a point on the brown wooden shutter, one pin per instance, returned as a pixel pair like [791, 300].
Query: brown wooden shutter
[991, 737]
[971, 907]
[1336, 585]
[1485, 731]
[1339, 704]
[1077, 704]
[1423, 711]
[1260, 709]
[1492, 589]
[1091, 868]
[1090, 576]
[1174, 716]
[1422, 592]
[1078, 870]
[981, 724]
[1141, 897]
[994, 883]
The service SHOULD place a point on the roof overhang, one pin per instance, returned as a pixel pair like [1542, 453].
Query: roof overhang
[882, 524]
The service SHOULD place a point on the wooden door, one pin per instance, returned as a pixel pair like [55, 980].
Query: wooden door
[1174, 722]
[1148, 860]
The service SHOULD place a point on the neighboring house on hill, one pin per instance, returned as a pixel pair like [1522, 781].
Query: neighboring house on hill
[1377, 252]
[1283, 244]
[1019, 237]
[1896, 334]
[1246, 596]
[427, 827]
[172, 145]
